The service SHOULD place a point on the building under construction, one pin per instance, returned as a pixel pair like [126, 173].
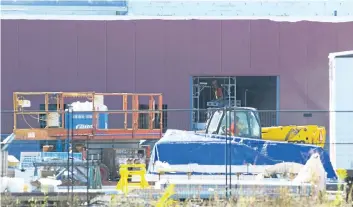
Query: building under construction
[269, 65]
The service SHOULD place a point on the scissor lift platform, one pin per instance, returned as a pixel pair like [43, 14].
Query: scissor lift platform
[130, 115]
[84, 134]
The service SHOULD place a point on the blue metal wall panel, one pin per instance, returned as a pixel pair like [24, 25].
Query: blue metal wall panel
[18, 146]
[3, 136]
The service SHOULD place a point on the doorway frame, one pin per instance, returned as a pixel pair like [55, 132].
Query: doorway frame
[277, 99]
[191, 82]
[192, 77]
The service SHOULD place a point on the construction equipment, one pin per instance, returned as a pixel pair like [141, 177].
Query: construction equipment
[78, 172]
[89, 124]
[81, 119]
[127, 170]
[247, 123]
[310, 134]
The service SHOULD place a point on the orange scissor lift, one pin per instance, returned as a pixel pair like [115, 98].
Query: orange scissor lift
[130, 114]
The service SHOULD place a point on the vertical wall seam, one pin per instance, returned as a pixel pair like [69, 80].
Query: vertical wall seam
[77, 51]
[165, 51]
[249, 21]
[279, 48]
[221, 46]
[307, 63]
[135, 58]
[106, 58]
[278, 97]
[18, 47]
[49, 54]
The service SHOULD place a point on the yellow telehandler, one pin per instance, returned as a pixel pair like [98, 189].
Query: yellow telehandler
[309, 134]
[247, 124]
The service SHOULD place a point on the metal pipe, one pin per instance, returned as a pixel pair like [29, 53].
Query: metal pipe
[87, 170]
[230, 153]
[62, 105]
[72, 158]
[245, 97]
[35, 93]
[67, 146]
[29, 113]
[125, 110]
[95, 116]
[160, 105]
[129, 94]
[15, 107]
[151, 114]
[46, 103]
[226, 152]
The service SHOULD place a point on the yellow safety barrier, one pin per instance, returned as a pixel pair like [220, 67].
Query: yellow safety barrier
[165, 200]
[125, 173]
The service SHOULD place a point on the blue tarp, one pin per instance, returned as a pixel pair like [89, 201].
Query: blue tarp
[211, 151]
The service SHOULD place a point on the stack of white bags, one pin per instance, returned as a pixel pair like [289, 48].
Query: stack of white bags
[313, 172]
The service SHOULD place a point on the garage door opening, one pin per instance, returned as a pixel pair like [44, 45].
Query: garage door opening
[210, 92]
[259, 92]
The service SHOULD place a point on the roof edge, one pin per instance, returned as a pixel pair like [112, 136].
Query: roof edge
[332, 19]
[348, 53]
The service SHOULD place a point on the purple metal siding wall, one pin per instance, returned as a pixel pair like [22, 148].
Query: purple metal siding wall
[160, 56]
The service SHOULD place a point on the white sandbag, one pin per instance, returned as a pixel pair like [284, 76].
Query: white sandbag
[49, 184]
[260, 176]
[3, 183]
[162, 166]
[313, 172]
[284, 168]
[15, 185]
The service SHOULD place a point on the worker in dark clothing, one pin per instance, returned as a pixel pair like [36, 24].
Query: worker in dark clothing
[217, 90]
[349, 189]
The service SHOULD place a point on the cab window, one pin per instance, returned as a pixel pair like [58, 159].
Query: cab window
[224, 126]
[214, 122]
[254, 125]
[241, 122]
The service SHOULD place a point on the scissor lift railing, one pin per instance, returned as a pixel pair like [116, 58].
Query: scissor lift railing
[61, 132]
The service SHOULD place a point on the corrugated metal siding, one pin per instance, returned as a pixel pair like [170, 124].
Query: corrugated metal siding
[160, 56]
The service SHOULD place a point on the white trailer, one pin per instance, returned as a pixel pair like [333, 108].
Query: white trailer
[341, 110]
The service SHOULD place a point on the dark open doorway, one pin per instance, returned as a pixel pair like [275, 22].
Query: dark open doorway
[259, 92]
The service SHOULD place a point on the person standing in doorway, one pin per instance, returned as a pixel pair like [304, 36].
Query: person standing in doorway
[217, 90]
